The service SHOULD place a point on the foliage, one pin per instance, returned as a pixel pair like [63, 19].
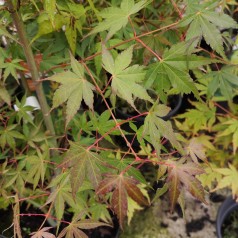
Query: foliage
[84, 58]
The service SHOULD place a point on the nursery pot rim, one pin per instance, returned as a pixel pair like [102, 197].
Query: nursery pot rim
[225, 209]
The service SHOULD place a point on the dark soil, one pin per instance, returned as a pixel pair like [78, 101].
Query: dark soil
[230, 225]
[31, 224]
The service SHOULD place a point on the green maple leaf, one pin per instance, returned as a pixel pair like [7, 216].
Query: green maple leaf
[8, 135]
[230, 177]
[74, 88]
[37, 166]
[10, 68]
[74, 229]
[210, 176]
[61, 194]
[173, 69]
[182, 174]
[125, 79]
[122, 187]
[231, 130]
[33, 135]
[116, 18]
[224, 81]
[204, 22]
[102, 124]
[83, 164]
[16, 177]
[156, 127]
[4, 95]
[201, 117]
[124, 163]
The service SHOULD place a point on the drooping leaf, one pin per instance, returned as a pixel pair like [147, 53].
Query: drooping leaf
[157, 128]
[121, 187]
[73, 89]
[182, 174]
[119, 202]
[125, 79]
[116, 18]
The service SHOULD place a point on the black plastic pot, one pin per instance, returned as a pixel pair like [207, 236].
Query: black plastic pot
[227, 207]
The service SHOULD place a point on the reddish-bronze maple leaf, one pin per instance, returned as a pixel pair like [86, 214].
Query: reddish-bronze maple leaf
[182, 174]
[121, 187]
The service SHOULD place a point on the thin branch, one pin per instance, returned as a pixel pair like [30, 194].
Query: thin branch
[32, 66]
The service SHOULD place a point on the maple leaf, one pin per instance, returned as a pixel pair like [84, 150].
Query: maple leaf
[74, 87]
[73, 230]
[196, 150]
[61, 195]
[83, 164]
[156, 127]
[231, 129]
[224, 81]
[117, 18]
[204, 22]
[125, 79]
[230, 177]
[207, 179]
[172, 70]
[10, 68]
[8, 135]
[182, 174]
[201, 117]
[121, 187]
[4, 95]
[37, 166]
[102, 124]
[42, 233]
[123, 163]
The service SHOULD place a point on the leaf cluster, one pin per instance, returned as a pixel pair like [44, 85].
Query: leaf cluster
[78, 157]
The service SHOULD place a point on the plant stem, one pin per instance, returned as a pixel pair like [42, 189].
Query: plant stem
[32, 66]
[24, 83]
